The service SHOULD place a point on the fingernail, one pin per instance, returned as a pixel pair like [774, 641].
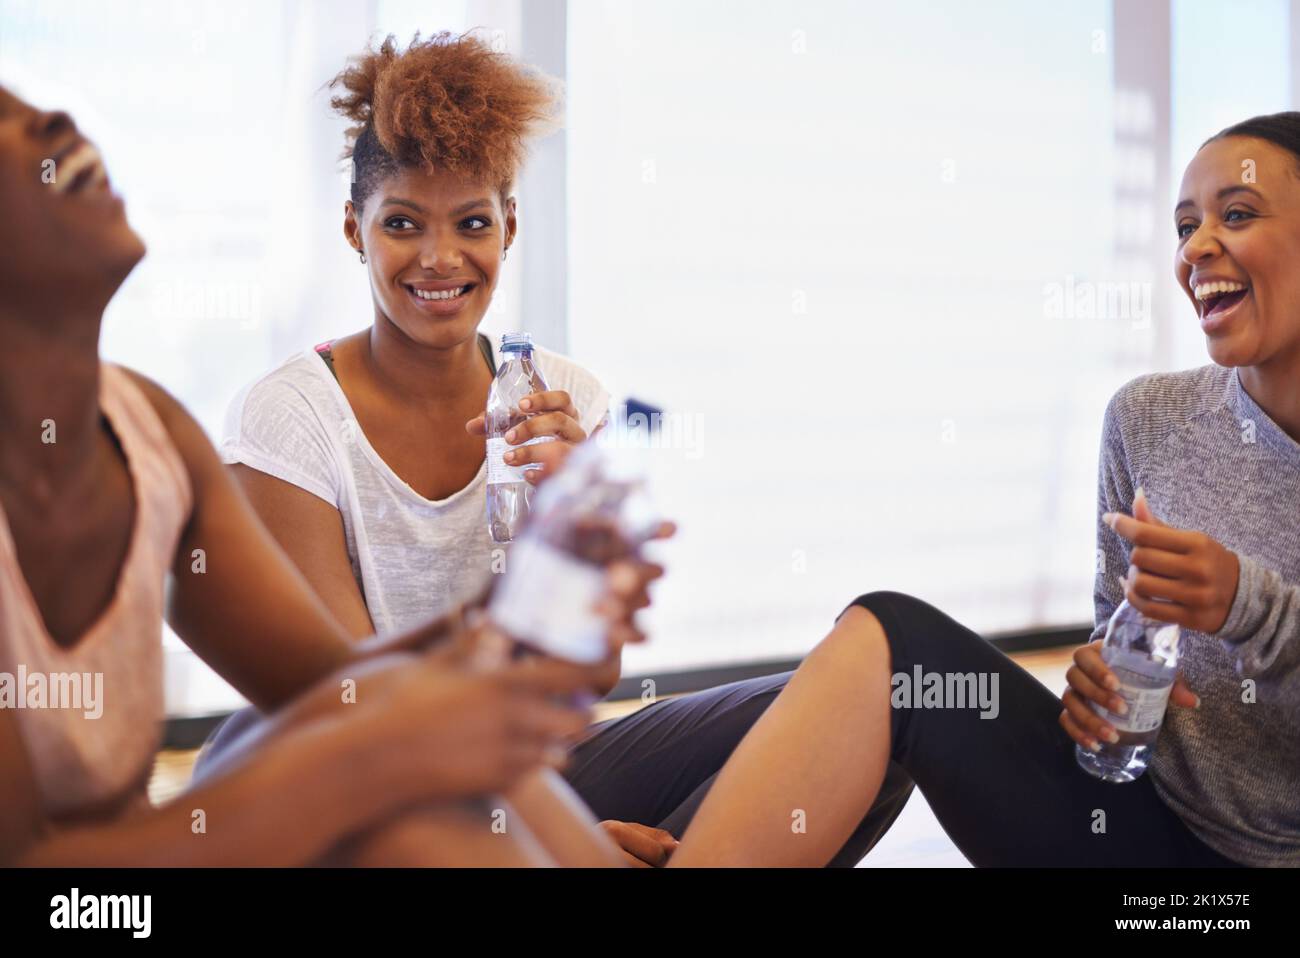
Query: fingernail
[510, 456]
[1108, 518]
[1120, 707]
[1197, 703]
[525, 404]
[1111, 683]
[1139, 494]
[1111, 736]
[1094, 746]
[511, 435]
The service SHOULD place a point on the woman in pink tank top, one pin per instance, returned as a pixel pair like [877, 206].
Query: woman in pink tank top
[107, 486]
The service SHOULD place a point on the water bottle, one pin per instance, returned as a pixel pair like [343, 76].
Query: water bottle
[509, 496]
[1143, 654]
[592, 512]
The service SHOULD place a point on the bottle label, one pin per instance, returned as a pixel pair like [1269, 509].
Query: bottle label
[548, 600]
[1146, 705]
[499, 471]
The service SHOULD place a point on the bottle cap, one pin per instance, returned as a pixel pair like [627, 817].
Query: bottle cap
[516, 341]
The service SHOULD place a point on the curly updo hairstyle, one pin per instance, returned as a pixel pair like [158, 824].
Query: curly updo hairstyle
[446, 104]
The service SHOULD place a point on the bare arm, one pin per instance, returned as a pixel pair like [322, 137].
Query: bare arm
[420, 730]
[310, 771]
[310, 531]
[247, 610]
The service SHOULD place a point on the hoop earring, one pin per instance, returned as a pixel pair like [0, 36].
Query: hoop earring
[362, 253]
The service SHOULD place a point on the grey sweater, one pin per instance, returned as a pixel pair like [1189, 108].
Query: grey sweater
[1211, 460]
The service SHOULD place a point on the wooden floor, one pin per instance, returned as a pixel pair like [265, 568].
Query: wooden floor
[915, 840]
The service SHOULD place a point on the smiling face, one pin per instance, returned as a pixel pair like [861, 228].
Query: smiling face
[433, 246]
[1238, 226]
[64, 232]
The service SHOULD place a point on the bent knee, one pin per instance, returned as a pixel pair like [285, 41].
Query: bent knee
[895, 610]
[883, 601]
[918, 631]
[859, 618]
[856, 643]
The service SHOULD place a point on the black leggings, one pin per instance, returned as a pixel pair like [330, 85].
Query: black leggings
[1008, 790]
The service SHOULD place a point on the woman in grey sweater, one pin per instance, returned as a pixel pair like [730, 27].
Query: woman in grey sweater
[1213, 545]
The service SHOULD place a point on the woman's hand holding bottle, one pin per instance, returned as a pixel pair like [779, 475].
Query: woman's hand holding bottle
[1091, 681]
[551, 413]
[1092, 684]
[442, 726]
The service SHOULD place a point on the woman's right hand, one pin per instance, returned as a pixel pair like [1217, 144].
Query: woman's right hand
[438, 727]
[1091, 681]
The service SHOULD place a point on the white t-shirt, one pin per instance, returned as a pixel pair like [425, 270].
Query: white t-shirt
[412, 557]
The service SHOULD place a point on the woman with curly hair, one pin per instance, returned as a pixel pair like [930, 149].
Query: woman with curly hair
[365, 457]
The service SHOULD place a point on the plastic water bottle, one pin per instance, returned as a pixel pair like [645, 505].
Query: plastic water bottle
[594, 511]
[1143, 654]
[509, 496]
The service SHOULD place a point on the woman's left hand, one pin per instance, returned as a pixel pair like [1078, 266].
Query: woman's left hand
[1193, 575]
[550, 413]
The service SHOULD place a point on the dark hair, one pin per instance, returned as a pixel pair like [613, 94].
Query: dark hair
[370, 163]
[448, 103]
[1280, 129]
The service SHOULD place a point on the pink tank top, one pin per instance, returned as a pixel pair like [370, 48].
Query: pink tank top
[100, 751]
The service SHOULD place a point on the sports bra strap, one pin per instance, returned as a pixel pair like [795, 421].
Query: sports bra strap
[485, 345]
[325, 351]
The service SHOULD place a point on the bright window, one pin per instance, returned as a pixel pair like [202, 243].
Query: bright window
[830, 235]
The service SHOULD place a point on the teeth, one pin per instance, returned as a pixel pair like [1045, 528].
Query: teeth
[1206, 290]
[439, 294]
[67, 169]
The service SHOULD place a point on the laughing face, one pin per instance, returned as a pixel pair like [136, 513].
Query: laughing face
[1238, 223]
[433, 246]
[64, 232]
